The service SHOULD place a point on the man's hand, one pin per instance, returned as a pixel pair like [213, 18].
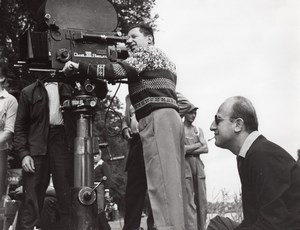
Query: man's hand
[106, 195]
[18, 190]
[28, 164]
[70, 68]
[127, 133]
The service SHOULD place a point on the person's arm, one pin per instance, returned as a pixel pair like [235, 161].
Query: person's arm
[189, 149]
[203, 148]
[9, 122]
[22, 127]
[126, 131]
[5, 135]
[199, 147]
[127, 69]
[21, 134]
[149, 58]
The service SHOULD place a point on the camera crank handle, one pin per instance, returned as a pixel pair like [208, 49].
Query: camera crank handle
[104, 178]
[88, 194]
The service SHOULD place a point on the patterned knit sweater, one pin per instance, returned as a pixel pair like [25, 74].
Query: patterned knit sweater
[151, 77]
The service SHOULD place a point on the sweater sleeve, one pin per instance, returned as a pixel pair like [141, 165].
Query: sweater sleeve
[111, 71]
[142, 59]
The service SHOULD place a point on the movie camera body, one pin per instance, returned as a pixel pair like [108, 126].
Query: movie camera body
[80, 31]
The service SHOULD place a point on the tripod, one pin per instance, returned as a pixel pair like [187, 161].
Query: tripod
[84, 203]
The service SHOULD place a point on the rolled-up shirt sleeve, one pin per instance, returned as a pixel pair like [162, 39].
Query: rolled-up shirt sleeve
[11, 112]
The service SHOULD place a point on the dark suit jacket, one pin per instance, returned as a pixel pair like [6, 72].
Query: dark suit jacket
[270, 180]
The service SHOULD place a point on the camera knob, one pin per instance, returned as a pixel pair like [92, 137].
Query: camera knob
[63, 55]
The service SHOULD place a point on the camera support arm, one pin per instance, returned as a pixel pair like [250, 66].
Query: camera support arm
[80, 35]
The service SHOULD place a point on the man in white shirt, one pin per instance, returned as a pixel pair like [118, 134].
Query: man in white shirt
[8, 110]
[44, 147]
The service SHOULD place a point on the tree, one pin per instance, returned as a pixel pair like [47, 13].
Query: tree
[134, 11]
[13, 22]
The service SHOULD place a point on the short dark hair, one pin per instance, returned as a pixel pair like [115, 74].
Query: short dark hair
[145, 29]
[243, 108]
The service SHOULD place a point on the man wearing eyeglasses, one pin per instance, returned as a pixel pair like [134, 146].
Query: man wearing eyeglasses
[270, 177]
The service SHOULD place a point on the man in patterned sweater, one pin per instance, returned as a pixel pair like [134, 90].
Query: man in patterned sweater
[152, 83]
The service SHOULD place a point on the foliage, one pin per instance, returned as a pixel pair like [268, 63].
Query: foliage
[13, 22]
[227, 207]
[134, 11]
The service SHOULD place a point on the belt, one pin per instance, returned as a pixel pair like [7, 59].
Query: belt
[56, 126]
[135, 135]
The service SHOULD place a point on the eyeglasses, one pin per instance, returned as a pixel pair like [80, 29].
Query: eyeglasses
[219, 119]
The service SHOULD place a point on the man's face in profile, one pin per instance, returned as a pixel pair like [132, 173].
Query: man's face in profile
[223, 126]
[137, 39]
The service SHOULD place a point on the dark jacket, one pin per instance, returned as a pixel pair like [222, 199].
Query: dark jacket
[103, 170]
[270, 180]
[32, 121]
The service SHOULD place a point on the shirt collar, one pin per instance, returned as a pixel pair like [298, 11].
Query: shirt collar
[3, 93]
[50, 83]
[100, 162]
[248, 142]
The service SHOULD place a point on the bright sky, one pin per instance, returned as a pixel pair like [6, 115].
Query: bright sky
[233, 47]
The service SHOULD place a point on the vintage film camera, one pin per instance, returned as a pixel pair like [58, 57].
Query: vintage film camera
[80, 31]
[76, 30]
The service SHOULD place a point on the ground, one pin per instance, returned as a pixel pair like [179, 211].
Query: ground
[118, 224]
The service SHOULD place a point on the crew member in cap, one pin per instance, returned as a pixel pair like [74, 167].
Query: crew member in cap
[195, 145]
[8, 110]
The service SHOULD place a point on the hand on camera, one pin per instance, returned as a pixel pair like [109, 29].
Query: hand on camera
[70, 68]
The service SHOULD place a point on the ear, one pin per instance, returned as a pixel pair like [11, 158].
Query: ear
[239, 125]
[150, 40]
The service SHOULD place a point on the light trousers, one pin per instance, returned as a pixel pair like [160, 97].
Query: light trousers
[162, 136]
[196, 193]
